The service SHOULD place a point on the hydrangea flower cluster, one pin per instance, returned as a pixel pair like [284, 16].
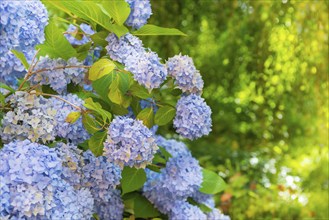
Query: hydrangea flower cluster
[73, 30]
[101, 177]
[73, 132]
[144, 65]
[32, 117]
[193, 117]
[187, 77]
[180, 179]
[139, 14]
[182, 210]
[129, 143]
[22, 26]
[58, 73]
[31, 177]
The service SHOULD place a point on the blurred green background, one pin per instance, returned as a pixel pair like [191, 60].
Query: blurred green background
[265, 67]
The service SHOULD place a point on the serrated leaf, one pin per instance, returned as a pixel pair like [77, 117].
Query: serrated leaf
[147, 116]
[101, 86]
[58, 5]
[119, 10]
[21, 57]
[132, 179]
[139, 91]
[89, 124]
[96, 141]
[101, 68]
[90, 11]
[164, 115]
[99, 38]
[56, 45]
[83, 50]
[212, 183]
[150, 29]
[143, 208]
[72, 117]
[124, 81]
[95, 106]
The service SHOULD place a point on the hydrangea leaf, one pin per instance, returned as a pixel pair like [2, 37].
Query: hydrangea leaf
[90, 11]
[56, 45]
[143, 208]
[89, 124]
[96, 141]
[164, 115]
[139, 91]
[101, 68]
[95, 106]
[150, 29]
[73, 117]
[21, 57]
[132, 179]
[119, 10]
[99, 38]
[147, 116]
[212, 183]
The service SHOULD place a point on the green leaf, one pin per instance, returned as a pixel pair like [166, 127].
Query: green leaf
[96, 141]
[4, 86]
[150, 29]
[132, 179]
[143, 208]
[95, 106]
[90, 11]
[164, 115]
[139, 91]
[83, 50]
[100, 68]
[101, 86]
[165, 153]
[119, 10]
[89, 124]
[21, 57]
[56, 45]
[118, 110]
[212, 183]
[99, 38]
[57, 4]
[147, 116]
[124, 81]
[72, 117]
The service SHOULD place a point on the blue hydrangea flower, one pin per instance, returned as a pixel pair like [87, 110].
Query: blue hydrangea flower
[147, 71]
[187, 77]
[73, 132]
[139, 14]
[193, 117]
[31, 176]
[179, 180]
[101, 177]
[32, 117]
[182, 210]
[22, 26]
[111, 206]
[129, 143]
[174, 147]
[99, 174]
[73, 30]
[205, 199]
[72, 162]
[144, 65]
[216, 214]
[57, 77]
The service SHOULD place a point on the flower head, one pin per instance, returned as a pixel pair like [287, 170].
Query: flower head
[193, 117]
[140, 13]
[129, 143]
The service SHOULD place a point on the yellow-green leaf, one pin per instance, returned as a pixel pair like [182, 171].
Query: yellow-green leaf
[101, 68]
[73, 117]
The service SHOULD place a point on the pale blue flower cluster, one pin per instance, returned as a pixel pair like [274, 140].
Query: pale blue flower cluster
[101, 177]
[72, 31]
[208, 200]
[129, 143]
[144, 64]
[73, 132]
[139, 14]
[58, 73]
[31, 177]
[22, 26]
[193, 117]
[179, 180]
[187, 77]
[182, 210]
[32, 117]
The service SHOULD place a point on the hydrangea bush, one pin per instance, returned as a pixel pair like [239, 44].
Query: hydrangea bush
[88, 116]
